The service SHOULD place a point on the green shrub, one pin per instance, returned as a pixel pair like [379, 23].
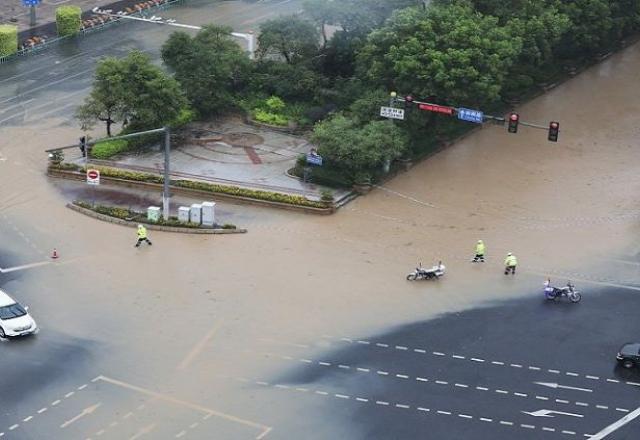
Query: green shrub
[270, 118]
[8, 40]
[274, 104]
[68, 20]
[228, 226]
[185, 116]
[108, 149]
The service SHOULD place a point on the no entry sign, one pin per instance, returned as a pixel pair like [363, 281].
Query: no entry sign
[93, 177]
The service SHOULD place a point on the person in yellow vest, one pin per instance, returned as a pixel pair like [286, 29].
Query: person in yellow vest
[142, 236]
[480, 248]
[510, 264]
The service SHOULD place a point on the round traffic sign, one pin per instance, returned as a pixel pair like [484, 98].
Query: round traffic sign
[92, 174]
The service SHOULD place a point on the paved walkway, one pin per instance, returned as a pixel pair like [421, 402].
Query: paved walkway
[233, 153]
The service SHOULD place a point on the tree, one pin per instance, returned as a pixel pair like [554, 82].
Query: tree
[211, 67]
[132, 90]
[358, 149]
[292, 37]
[446, 52]
[590, 29]
[106, 102]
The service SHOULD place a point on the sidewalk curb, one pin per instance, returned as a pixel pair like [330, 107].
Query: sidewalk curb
[74, 175]
[153, 227]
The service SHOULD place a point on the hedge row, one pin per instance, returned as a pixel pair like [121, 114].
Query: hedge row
[68, 20]
[108, 149]
[8, 40]
[201, 186]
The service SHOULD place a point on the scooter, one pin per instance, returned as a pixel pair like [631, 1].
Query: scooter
[554, 293]
[427, 274]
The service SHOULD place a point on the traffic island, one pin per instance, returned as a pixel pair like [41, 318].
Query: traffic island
[127, 217]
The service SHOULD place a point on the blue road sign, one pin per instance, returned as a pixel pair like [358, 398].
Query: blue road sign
[31, 2]
[314, 159]
[467, 114]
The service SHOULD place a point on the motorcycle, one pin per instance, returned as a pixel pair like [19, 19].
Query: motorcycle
[422, 273]
[554, 293]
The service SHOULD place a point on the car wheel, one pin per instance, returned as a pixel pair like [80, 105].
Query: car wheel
[628, 363]
[2, 333]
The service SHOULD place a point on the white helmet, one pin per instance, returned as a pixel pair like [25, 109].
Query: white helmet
[140, 226]
[509, 254]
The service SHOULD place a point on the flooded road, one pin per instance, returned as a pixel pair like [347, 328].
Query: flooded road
[179, 319]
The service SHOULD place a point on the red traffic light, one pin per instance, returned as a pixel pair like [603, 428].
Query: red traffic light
[408, 98]
[554, 129]
[514, 118]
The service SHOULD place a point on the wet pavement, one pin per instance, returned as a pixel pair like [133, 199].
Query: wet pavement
[179, 339]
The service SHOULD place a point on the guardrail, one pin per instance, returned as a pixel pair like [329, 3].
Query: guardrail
[48, 43]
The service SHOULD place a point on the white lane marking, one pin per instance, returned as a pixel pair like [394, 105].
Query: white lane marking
[284, 387]
[379, 344]
[41, 410]
[457, 356]
[306, 361]
[402, 376]
[383, 373]
[381, 402]
[527, 426]
[400, 405]
[602, 407]
[502, 392]
[364, 342]
[345, 367]
[550, 413]
[69, 394]
[592, 377]
[322, 393]
[26, 419]
[503, 422]
[82, 387]
[569, 432]
[442, 382]
[85, 412]
[181, 434]
[420, 408]
[422, 379]
[364, 370]
[633, 383]
[554, 371]
[341, 396]
[515, 365]
[622, 410]
[497, 363]
[12, 427]
[520, 394]
[544, 428]
[535, 368]
[326, 364]
[419, 350]
[446, 413]
[582, 404]
[465, 416]
[613, 381]
[401, 347]
[24, 266]
[304, 390]
[437, 353]
[477, 360]
[562, 401]
[461, 385]
[55, 402]
[616, 425]
[360, 399]
[484, 419]
[570, 373]
[482, 388]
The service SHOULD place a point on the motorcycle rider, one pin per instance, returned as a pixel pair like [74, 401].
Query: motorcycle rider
[510, 264]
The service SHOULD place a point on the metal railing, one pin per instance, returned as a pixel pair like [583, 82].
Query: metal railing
[48, 43]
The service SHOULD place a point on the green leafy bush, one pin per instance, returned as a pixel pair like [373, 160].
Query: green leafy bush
[8, 40]
[108, 149]
[270, 118]
[185, 116]
[228, 226]
[68, 20]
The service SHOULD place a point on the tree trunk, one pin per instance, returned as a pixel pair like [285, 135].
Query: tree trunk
[109, 121]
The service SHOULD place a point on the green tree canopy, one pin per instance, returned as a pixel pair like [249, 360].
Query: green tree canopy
[133, 90]
[591, 25]
[211, 67]
[293, 38]
[447, 52]
[358, 149]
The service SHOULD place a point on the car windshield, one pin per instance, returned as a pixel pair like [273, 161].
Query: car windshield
[12, 311]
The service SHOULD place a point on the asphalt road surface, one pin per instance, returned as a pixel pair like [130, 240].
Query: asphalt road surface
[305, 327]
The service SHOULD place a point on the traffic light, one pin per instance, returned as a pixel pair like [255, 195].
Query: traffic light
[408, 101]
[554, 128]
[514, 118]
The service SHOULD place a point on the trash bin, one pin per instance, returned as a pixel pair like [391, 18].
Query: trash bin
[208, 214]
[153, 213]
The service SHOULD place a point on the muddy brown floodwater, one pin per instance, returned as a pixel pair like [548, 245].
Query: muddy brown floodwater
[563, 208]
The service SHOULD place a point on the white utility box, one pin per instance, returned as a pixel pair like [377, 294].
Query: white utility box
[183, 214]
[209, 213]
[153, 213]
[195, 213]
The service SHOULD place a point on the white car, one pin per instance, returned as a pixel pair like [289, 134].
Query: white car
[14, 319]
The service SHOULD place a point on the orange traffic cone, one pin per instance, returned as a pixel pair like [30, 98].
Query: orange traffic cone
[54, 255]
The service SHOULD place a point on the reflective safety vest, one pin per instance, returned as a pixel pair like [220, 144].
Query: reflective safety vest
[480, 248]
[511, 260]
[142, 232]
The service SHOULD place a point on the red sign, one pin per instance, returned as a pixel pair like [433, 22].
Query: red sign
[437, 108]
[93, 177]
[92, 174]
